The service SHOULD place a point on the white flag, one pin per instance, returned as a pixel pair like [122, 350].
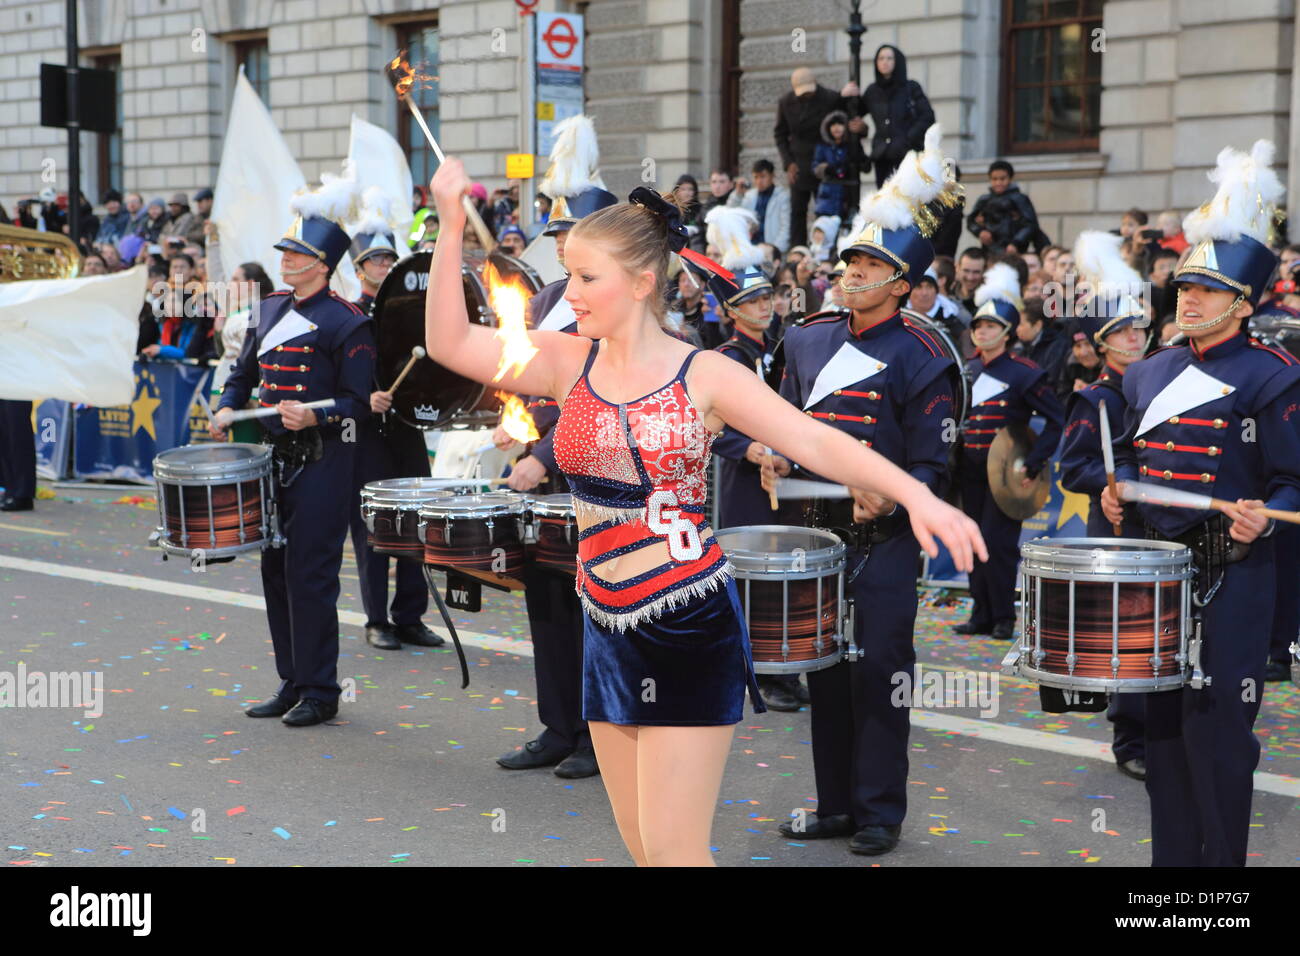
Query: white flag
[258, 177]
[379, 161]
[71, 339]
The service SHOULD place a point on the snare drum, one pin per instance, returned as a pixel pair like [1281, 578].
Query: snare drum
[1105, 614]
[555, 528]
[792, 592]
[478, 535]
[214, 499]
[391, 511]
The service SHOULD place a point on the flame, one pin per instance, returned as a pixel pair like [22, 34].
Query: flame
[516, 421]
[508, 296]
[403, 76]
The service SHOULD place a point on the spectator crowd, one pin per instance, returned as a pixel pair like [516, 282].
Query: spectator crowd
[803, 200]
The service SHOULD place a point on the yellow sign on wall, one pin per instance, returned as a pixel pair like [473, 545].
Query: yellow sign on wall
[519, 166]
[545, 110]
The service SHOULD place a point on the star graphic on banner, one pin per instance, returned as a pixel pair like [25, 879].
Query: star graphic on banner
[1072, 503]
[142, 410]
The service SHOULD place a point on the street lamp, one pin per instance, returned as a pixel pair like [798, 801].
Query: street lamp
[855, 31]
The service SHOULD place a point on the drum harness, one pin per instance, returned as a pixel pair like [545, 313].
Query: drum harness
[294, 451]
[858, 537]
[1213, 549]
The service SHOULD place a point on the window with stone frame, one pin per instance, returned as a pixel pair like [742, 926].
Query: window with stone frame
[252, 54]
[420, 41]
[1051, 75]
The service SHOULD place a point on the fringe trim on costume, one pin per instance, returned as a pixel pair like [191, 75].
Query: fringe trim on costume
[679, 596]
[593, 514]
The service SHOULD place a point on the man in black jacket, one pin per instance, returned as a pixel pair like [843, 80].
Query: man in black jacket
[799, 116]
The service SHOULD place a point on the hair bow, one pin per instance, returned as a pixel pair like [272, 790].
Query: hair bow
[665, 210]
[677, 235]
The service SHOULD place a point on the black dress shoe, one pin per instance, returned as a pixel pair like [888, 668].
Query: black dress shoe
[533, 755]
[1277, 670]
[1004, 631]
[970, 627]
[780, 697]
[581, 763]
[418, 633]
[17, 504]
[309, 711]
[273, 706]
[1135, 768]
[383, 638]
[875, 839]
[817, 827]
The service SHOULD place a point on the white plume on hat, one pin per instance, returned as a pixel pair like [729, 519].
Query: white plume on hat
[335, 199]
[1000, 282]
[1245, 203]
[378, 212]
[729, 230]
[575, 159]
[920, 179]
[1097, 258]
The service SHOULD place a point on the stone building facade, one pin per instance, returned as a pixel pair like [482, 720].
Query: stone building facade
[1179, 79]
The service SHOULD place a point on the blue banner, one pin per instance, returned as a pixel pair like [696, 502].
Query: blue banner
[122, 442]
[52, 425]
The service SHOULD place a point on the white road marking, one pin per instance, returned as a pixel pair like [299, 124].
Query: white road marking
[234, 598]
[1078, 747]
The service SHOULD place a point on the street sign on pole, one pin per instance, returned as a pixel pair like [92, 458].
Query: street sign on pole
[560, 51]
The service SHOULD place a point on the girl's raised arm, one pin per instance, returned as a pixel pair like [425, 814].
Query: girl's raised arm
[474, 350]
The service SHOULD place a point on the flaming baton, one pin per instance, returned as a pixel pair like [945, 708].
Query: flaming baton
[403, 78]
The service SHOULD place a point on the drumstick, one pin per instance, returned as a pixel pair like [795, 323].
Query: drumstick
[1174, 498]
[417, 353]
[246, 414]
[1108, 460]
[771, 495]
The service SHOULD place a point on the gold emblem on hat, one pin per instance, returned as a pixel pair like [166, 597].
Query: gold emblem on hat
[1203, 257]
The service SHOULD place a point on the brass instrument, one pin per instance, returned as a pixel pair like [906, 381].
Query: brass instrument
[31, 254]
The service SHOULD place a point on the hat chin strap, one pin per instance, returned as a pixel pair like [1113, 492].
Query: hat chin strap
[992, 343]
[298, 272]
[1209, 323]
[874, 285]
[1129, 353]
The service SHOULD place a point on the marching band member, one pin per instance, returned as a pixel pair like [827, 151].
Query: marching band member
[746, 300]
[1216, 416]
[1005, 389]
[888, 386]
[554, 614]
[17, 456]
[312, 345]
[666, 658]
[1116, 324]
[389, 448]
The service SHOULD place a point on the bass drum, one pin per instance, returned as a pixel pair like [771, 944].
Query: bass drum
[432, 396]
[936, 330]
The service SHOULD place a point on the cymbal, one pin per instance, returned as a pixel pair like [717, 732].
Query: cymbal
[1007, 455]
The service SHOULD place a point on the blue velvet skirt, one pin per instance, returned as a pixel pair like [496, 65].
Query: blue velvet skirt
[690, 666]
